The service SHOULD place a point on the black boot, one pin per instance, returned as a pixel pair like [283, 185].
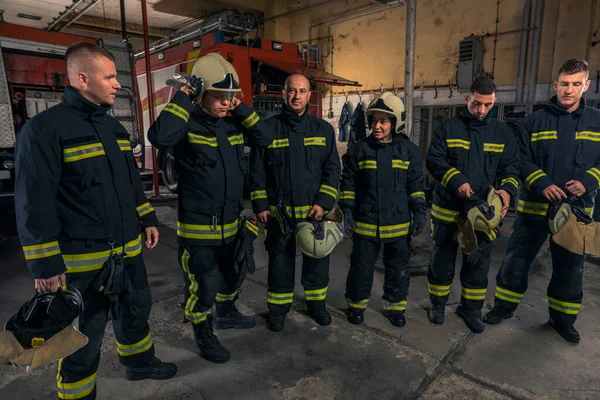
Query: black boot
[567, 332]
[276, 322]
[228, 317]
[497, 315]
[154, 369]
[208, 344]
[437, 314]
[472, 319]
[356, 316]
[397, 318]
[318, 312]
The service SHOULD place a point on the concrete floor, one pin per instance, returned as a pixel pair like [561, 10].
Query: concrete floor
[520, 359]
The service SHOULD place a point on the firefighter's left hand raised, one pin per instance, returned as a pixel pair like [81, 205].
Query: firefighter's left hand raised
[316, 212]
[151, 237]
[234, 103]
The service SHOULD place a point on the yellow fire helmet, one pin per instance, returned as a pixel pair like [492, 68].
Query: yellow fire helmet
[317, 239]
[212, 72]
[486, 216]
[389, 104]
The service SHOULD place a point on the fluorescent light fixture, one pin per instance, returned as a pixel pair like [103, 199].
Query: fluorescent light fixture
[29, 16]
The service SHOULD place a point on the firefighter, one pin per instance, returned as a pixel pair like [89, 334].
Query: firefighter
[560, 157]
[298, 174]
[381, 186]
[468, 154]
[208, 146]
[80, 215]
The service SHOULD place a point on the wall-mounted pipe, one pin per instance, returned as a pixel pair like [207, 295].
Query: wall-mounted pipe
[299, 10]
[523, 51]
[535, 52]
[409, 64]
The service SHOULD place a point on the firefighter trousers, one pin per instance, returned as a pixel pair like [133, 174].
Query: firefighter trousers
[473, 272]
[282, 273]
[76, 377]
[396, 255]
[209, 276]
[565, 291]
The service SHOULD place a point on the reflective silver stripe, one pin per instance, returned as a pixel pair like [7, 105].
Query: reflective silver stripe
[399, 306]
[196, 317]
[362, 304]
[125, 350]
[41, 253]
[226, 297]
[146, 209]
[251, 120]
[72, 393]
[280, 298]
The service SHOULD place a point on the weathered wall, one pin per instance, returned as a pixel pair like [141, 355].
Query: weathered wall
[371, 49]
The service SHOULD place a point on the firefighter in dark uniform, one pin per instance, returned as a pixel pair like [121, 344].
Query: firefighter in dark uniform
[208, 147]
[468, 154]
[560, 156]
[381, 185]
[300, 171]
[80, 204]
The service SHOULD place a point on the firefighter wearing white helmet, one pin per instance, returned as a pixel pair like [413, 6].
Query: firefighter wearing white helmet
[382, 188]
[205, 124]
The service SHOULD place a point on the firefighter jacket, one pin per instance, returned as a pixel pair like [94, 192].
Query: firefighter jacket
[77, 189]
[209, 154]
[557, 146]
[299, 169]
[465, 149]
[343, 122]
[381, 184]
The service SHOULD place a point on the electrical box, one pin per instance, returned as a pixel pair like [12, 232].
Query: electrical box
[470, 62]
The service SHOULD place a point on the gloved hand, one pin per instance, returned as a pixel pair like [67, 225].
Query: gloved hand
[418, 223]
[349, 224]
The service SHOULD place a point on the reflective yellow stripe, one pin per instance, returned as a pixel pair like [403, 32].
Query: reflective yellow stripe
[252, 228]
[251, 120]
[365, 229]
[402, 164]
[473, 294]
[236, 139]
[458, 143]
[315, 141]
[207, 232]
[414, 195]
[144, 209]
[316, 294]
[258, 194]
[544, 135]
[124, 145]
[399, 306]
[75, 390]
[361, 304]
[178, 111]
[563, 306]
[392, 231]
[367, 164]
[225, 297]
[493, 147]
[280, 298]
[278, 143]
[86, 262]
[204, 140]
[529, 207]
[588, 135]
[491, 235]
[534, 176]
[43, 250]
[82, 152]
[512, 181]
[438, 290]
[444, 214]
[330, 190]
[595, 172]
[126, 350]
[298, 212]
[507, 295]
[190, 304]
[347, 195]
[449, 175]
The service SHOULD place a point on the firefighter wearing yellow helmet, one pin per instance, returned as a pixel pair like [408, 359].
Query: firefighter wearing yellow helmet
[469, 154]
[205, 124]
[382, 188]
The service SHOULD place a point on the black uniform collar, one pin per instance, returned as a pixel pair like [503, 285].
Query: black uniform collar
[472, 120]
[83, 106]
[558, 110]
[205, 117]
[396, 137]
[292, 117]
